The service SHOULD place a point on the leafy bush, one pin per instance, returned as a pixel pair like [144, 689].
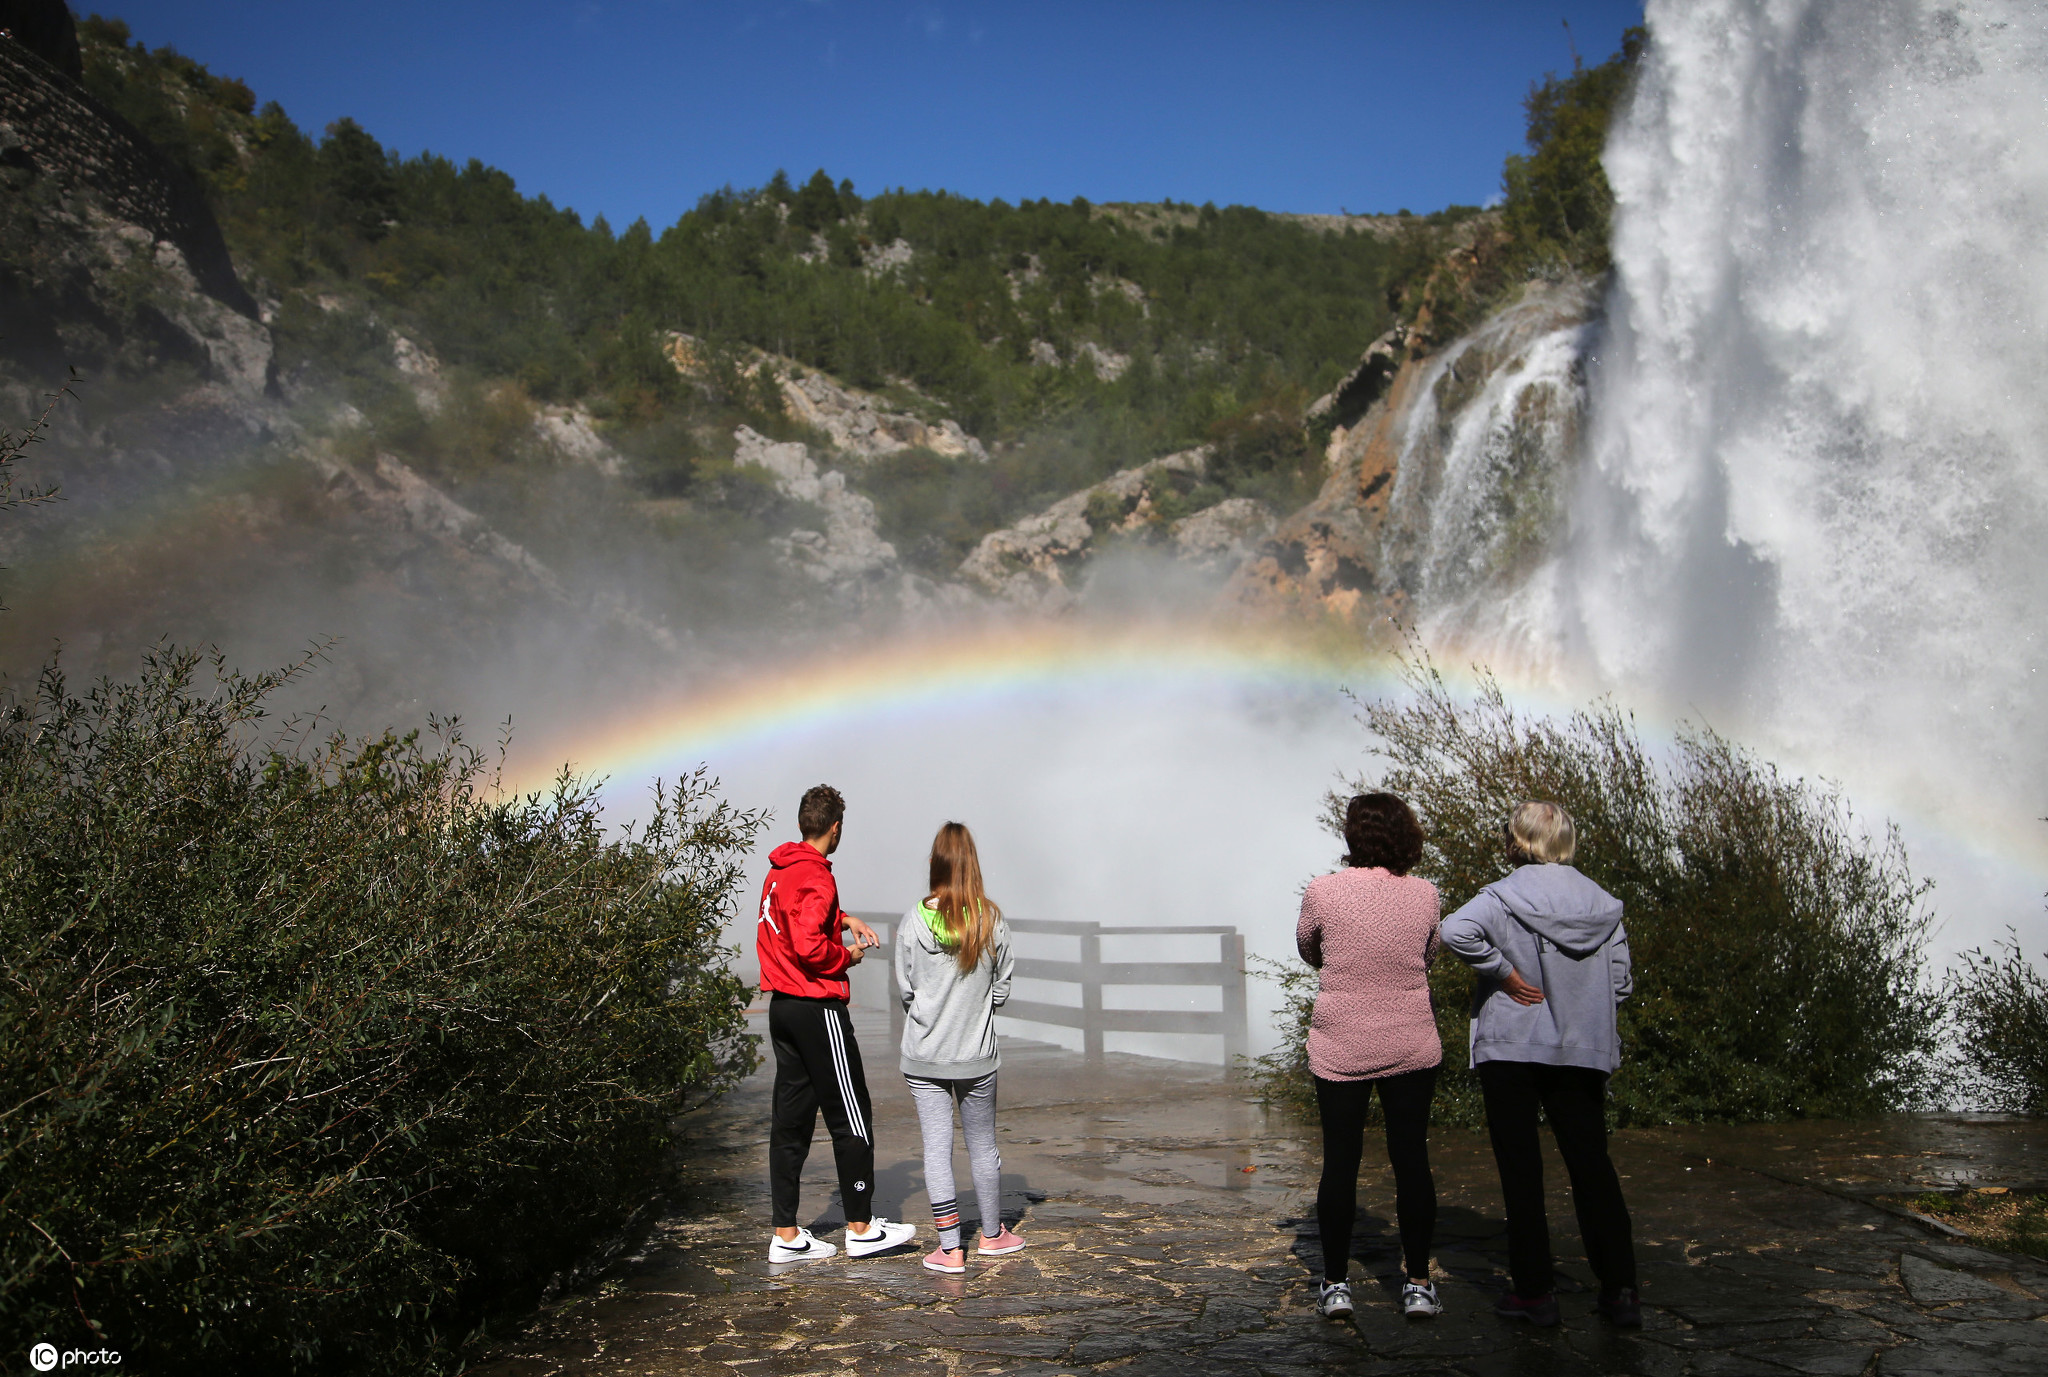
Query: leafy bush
[1558, 205]
[1778, 949]
[318, 1051]
[1556, 213]
[13, 445]
[1999, 1006]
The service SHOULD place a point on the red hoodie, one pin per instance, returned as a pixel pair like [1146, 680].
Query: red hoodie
[798, 935]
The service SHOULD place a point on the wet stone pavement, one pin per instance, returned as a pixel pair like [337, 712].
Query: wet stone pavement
[1170, 1222]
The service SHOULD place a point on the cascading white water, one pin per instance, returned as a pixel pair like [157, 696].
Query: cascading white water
[1820, 446]
[1815, 502]
[1484, 455]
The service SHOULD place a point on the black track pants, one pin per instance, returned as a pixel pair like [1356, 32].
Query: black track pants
[1404, 1099]
[817, 1066]
[1574, 1099]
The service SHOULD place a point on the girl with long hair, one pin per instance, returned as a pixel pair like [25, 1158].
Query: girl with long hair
[953, 965]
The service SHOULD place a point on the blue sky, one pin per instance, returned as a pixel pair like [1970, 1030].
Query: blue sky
[636, 107]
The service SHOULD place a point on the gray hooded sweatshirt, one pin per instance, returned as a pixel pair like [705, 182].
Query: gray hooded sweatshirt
[949, 1015]
[1562, 933]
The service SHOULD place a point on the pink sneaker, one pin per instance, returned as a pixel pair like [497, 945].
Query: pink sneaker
[1004, 1242]
[939, 1260]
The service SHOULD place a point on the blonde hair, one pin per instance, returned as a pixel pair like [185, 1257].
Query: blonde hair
[963, 906]
[1542, 833]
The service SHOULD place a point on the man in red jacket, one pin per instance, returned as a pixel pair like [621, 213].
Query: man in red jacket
[804, 962]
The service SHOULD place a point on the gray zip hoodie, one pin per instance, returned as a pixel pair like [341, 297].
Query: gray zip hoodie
[949, 1023]
[1562, 933]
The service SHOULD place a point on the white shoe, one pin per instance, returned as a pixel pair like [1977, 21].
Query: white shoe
[1335, 1301]
[880, 1237]
[1419, 1300]
[802, 1248]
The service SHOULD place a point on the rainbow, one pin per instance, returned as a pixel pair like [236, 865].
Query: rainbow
[906, 678]
[903, 678]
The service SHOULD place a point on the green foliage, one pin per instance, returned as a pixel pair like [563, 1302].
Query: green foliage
[13, 445]
[1778, 950]
[1556, 212]
[1282, 1074]
[1999, 1004]
[512, 287]
[1558, 207]
[934, 507]
[319, 1051]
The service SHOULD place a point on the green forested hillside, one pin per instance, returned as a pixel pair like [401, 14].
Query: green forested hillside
[1073, 339]
[1207, 319]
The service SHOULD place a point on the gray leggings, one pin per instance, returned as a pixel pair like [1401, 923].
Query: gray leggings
[977, 1100]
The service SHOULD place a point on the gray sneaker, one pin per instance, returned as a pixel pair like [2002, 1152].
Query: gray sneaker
[1335, 1301]
[1419, 1300]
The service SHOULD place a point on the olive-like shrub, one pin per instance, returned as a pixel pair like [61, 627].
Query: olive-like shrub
[319, 1050]
[1998, 1006]
[1778, 946]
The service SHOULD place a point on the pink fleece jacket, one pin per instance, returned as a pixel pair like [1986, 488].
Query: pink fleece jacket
[1372, 934]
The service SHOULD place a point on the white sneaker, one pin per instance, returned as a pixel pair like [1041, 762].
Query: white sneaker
[1419, 1300]
[802, 1248]
[880, 1237]
[1335, 1301]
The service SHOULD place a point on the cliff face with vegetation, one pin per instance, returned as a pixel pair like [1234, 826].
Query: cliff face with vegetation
[405, 396]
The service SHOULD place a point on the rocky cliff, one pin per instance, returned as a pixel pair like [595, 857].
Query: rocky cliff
[1445, 483]
[206, 497]
[112, 253]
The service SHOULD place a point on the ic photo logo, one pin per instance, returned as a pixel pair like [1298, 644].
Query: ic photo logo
[45, 1358]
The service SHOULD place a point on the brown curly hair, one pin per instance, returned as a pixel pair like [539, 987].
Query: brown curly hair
[1381, 830]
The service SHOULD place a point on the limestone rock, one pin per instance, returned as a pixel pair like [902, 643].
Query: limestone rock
[849, 549]
[858, 423]
[860, 427]
[421, 371]
[1107, 363]
[1217, 539]
[235, 348]
[1442, 483]
[887, 258]
[568, 430]
[1031, 564]
[1364, 384]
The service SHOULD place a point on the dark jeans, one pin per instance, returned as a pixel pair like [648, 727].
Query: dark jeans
[1574, 1099]
[1405, 1100]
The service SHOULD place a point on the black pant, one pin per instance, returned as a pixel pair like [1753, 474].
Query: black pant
[817, 1066]
[1405, 1100]
[1574, 1099]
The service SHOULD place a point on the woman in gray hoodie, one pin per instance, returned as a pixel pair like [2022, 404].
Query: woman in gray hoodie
[1553, 964]
[953, 965]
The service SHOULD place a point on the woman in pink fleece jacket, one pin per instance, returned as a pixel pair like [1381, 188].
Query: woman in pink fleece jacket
[1371, 929]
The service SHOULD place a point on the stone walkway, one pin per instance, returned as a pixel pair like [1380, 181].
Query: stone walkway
[1171, 1231]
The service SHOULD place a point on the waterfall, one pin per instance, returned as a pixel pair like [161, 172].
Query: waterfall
[1811, 502]
[1480, 487]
